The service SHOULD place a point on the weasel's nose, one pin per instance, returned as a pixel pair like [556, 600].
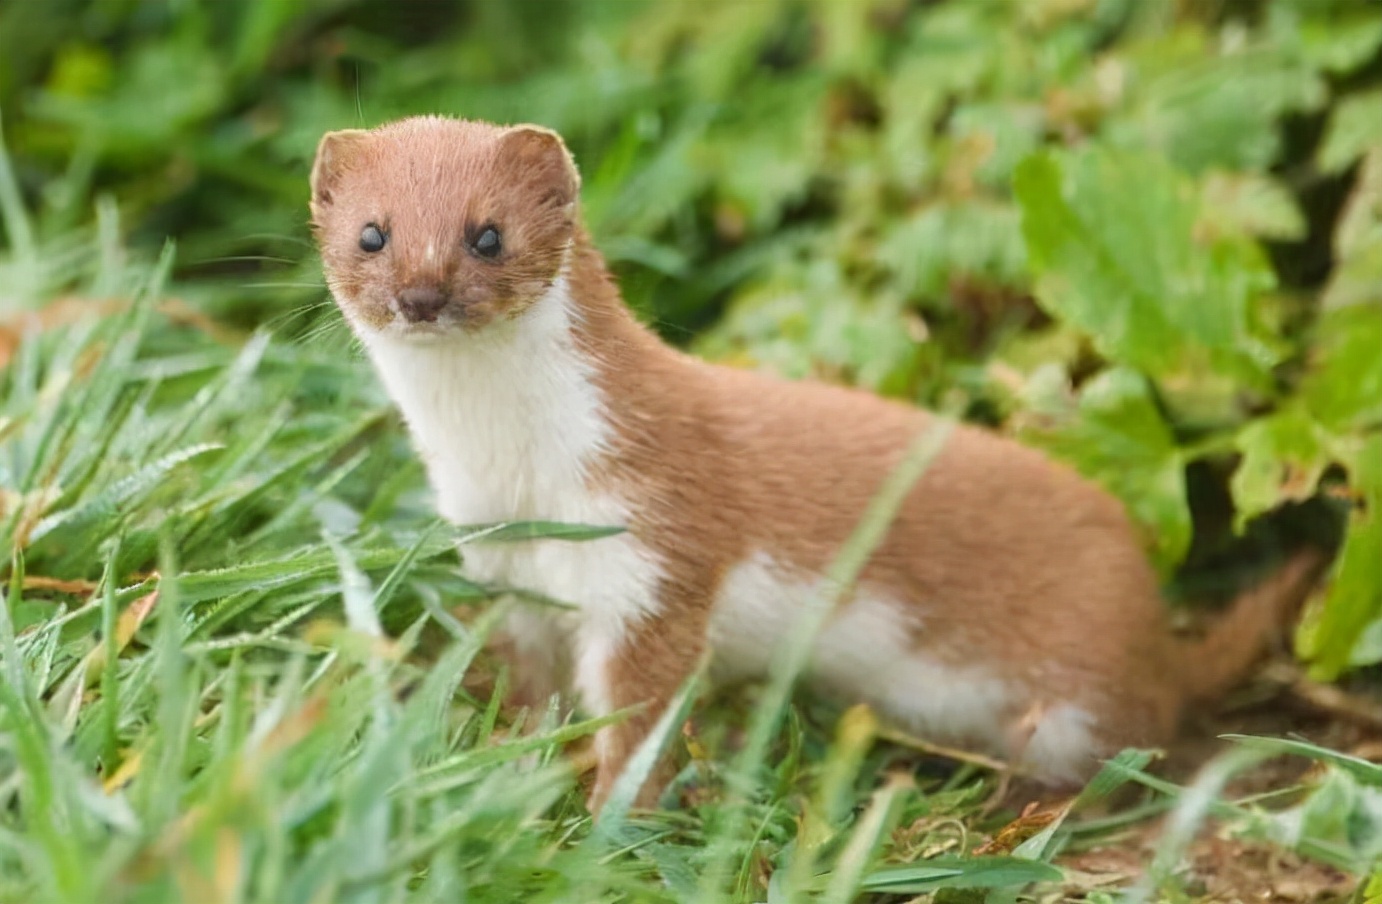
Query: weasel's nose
[421, 305]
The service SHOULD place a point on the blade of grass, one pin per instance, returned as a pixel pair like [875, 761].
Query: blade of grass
[110, 684]
[878, 820]
[1197, 802]
[641, 765]
[16, 219]
[1361, 769]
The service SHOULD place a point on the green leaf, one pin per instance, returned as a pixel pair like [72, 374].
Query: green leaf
[1340, 822]
[1361, 769]
[1355, 127]
[1201, 109]
[675, 869]
[1338, 42]
[959, 872]
[462, 767]
[514, 531]
[1113, 243]
[969, 239]
[811, 321]
[1354, 597]
[876, 823]
[763, 157]
[1195, 803]
[641, 765]
[1343, 388]
[1356, 279]
[1360, 225]
[122, 491]
[1283, 458]
[356, 591]
[1251, 204]
[304, 565]
[1357, 275]
[1118, 438]
[1114, 774]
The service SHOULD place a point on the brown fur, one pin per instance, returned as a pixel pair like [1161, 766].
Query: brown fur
[1014, 560]
[522, 178]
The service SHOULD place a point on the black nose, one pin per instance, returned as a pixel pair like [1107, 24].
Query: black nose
[421, 305]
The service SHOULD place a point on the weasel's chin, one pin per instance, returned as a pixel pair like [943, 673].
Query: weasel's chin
[423, 332]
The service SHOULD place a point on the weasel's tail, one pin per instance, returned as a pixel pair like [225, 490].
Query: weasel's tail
[1213, 663]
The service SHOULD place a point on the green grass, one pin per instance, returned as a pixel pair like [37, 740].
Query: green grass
[278, 713]
[242, 661]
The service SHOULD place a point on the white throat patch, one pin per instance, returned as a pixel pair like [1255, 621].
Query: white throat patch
[509, 422]
[506, 420]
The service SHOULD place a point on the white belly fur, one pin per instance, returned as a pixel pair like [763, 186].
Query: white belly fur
[866, 652]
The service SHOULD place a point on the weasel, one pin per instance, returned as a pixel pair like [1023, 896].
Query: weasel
[1010, 607]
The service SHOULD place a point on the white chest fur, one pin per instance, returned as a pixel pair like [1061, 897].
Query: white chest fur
[508, 423]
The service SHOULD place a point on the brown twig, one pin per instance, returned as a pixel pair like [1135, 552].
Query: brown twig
[1326, 698]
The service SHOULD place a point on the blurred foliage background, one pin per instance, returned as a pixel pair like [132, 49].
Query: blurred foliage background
[1146, 234]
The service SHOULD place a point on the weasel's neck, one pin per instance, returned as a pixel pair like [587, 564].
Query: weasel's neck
[512, 421]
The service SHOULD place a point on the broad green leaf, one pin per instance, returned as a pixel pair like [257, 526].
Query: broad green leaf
[762, 158]
[1360, 225]
[949, 54]
[1354, 597]
[1203, 108]
[975, 239]
[1251, 204]
[997, 137]
[1337, 38]
[812, 322]
[1355, 127]
[1357, 278]
[1118, 438]
[675, 868]
[1283, 458]
[1343, 388]
[1341, 820]
[1357, 275]
[1112, 241]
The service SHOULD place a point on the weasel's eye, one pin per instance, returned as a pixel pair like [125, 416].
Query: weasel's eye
[372, 238]
[489, 244]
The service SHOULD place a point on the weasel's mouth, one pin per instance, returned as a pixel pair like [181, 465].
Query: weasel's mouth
[425, 313]
[423, 330]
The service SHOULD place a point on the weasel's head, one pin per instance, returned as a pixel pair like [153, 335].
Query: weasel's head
[432, 226]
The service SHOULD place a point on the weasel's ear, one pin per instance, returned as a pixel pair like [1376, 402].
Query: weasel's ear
[543, 159]
[334, 154]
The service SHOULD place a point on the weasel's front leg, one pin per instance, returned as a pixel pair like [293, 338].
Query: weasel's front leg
[534, 644]
[642, 666]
